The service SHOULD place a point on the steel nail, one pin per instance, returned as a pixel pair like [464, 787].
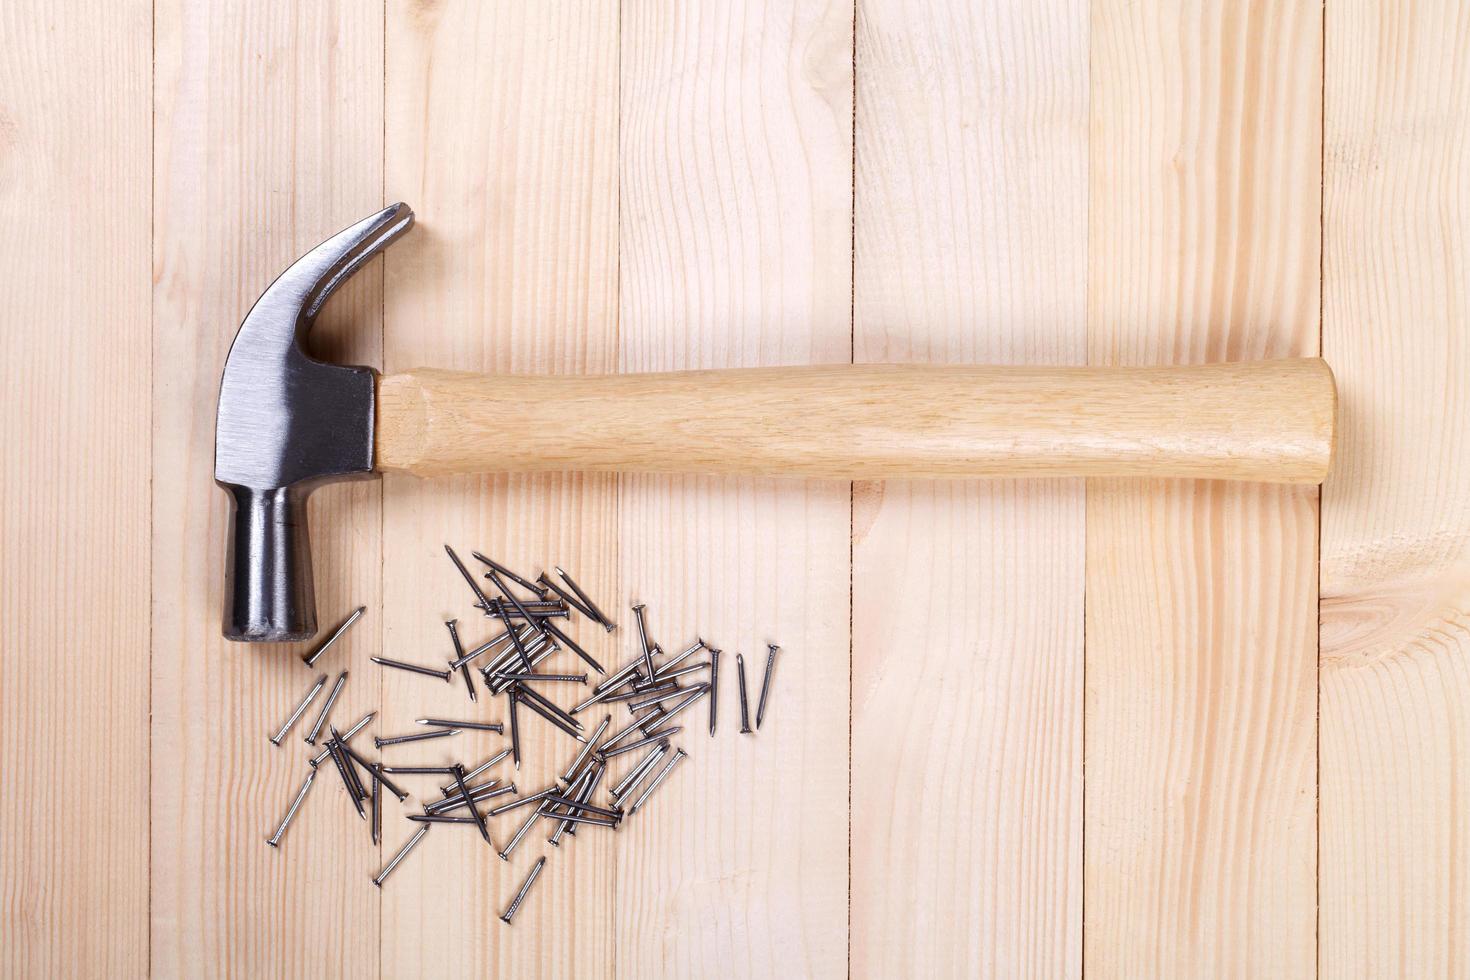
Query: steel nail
[443, 675]
[340, 761]
[678, 754]
[346, 737]
[479, 726]
[638, 611]
[656, 737]
[419, 771]
[571, 645]
[714, 689]
[524, 583]
[310, 659]
[549, 716]
[481, 794]
[586, 751]
[440, 818]
[274, 840]
[464, 669]
[663, 696]
[470, 802]
[607, 624]
[474, 586]
[380, 742]
[515, 726]
[521, 895]
[522, 801]
[569, 599]
[531, 819]
[402, 853]
[321, 719]
[549, 678]
[663, 671]
[478, 770]
[550, 705]
[760, 711]
[635, 775]
[316, 688]
[377, 831]
[372, 770]
[744, 703]
[594, 776]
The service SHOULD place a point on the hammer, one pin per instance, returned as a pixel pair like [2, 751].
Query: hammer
[288, 423]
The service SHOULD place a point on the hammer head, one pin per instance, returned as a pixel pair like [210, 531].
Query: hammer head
[288, 423]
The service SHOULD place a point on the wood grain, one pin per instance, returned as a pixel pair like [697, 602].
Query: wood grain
[970, 225]
[74, 518]
[1267, 421]
[269, 123]
[502, 134]
[1201, 645]
[1396, 515]
[736, 176]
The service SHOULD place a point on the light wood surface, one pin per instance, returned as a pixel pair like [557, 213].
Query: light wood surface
[970, 232]
[262, 147]
[618, 187]
[1395, 567]
[1266, 421]
[1200, 836]
[75, 369]
[505, 132]
[736, 175]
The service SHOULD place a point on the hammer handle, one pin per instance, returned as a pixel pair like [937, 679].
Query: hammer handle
[1268, 421]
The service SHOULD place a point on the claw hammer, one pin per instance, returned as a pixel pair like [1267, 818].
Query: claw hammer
[288, 422]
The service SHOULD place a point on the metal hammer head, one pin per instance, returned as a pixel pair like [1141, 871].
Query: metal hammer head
[288, 423]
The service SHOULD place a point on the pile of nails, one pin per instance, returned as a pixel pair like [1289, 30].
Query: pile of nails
[648, 687]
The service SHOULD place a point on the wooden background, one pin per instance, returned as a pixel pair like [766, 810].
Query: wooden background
[1022, 729]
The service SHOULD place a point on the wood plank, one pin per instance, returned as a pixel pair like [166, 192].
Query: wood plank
[75, 109]
[971, 239]
[1201, 646]
[735, 251]
[502, 134]
[269, 135]
[1395, 527]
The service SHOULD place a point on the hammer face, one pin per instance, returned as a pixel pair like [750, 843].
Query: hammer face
[286, 424]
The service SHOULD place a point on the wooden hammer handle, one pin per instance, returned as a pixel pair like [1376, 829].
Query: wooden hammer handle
[1269, 421]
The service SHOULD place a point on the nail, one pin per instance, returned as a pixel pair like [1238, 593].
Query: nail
[478, 770]
[380, 742]
[589, 786]
[714, 689]
[553, 707]
[470, 801]
[569, 599]
[525, 613]
[402, 853]
[760, 711]
[346, 736]
[597, 614]
[678, 754]
[549, 716]
[443, 675]
[321, 682]
[274, 840]
[695, 694]
[419, 771]
[515, 637]
[539, 610]
[521, 895]
[523, 801]
[549, 678]
[656, 737]
[439, 818]
[340, 761]
[586, 751]
[662, 671]
[644, 690]
[321, 719]
[459, 656]
[370, 769]
[377, 832]
[479, 726]
[663, 696]
[481, 794]
[485, 647]
[578, 818]
[635, 775]
[311, 658]
[517, 579]
[571, 645]
[744, 703]
[643, 638]
[515, 728]
[474, 586]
